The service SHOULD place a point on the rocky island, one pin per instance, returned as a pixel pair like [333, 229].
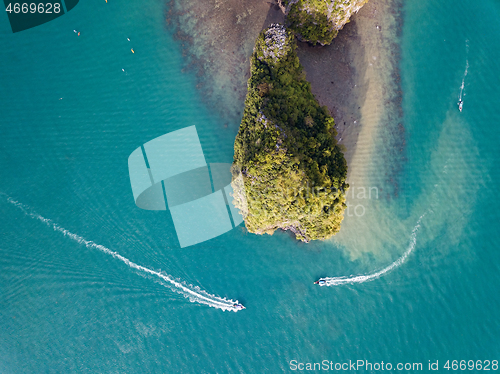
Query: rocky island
[294, 172]
[319, 21]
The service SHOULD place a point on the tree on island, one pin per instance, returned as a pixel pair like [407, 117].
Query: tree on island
[319, 21]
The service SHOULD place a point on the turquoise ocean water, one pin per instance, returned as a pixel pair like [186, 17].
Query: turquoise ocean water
[70, 117]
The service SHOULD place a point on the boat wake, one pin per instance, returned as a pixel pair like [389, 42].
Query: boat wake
[336, 281]
[194, 294]
[466, 70]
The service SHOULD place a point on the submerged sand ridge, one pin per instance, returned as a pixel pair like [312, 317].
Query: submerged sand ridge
[218, 37]
[365, 100]
[357, 78]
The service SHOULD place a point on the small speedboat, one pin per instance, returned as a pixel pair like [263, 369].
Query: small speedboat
[320, 282]
[460, 105]
[238, 306]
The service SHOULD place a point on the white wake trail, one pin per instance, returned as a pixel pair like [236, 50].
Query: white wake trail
[466, 70]
[336, 281]
[194, 294]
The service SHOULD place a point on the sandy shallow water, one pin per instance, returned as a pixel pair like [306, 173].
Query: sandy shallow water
[218, 37]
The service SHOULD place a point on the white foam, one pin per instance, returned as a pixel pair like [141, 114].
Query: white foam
[466, 70]
[194, 294]
[336, 281]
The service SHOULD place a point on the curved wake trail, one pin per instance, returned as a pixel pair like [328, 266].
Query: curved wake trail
[194, 294]
[466, 70]
[336, 281]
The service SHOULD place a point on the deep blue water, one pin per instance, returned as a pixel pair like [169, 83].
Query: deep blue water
[70, 117]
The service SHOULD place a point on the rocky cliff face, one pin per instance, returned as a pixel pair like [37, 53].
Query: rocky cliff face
[286, 4]
[319, 21]
[275, 44]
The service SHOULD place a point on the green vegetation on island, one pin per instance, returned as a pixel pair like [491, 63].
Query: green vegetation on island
[319, 21]
[311, 23]
[292, 168]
